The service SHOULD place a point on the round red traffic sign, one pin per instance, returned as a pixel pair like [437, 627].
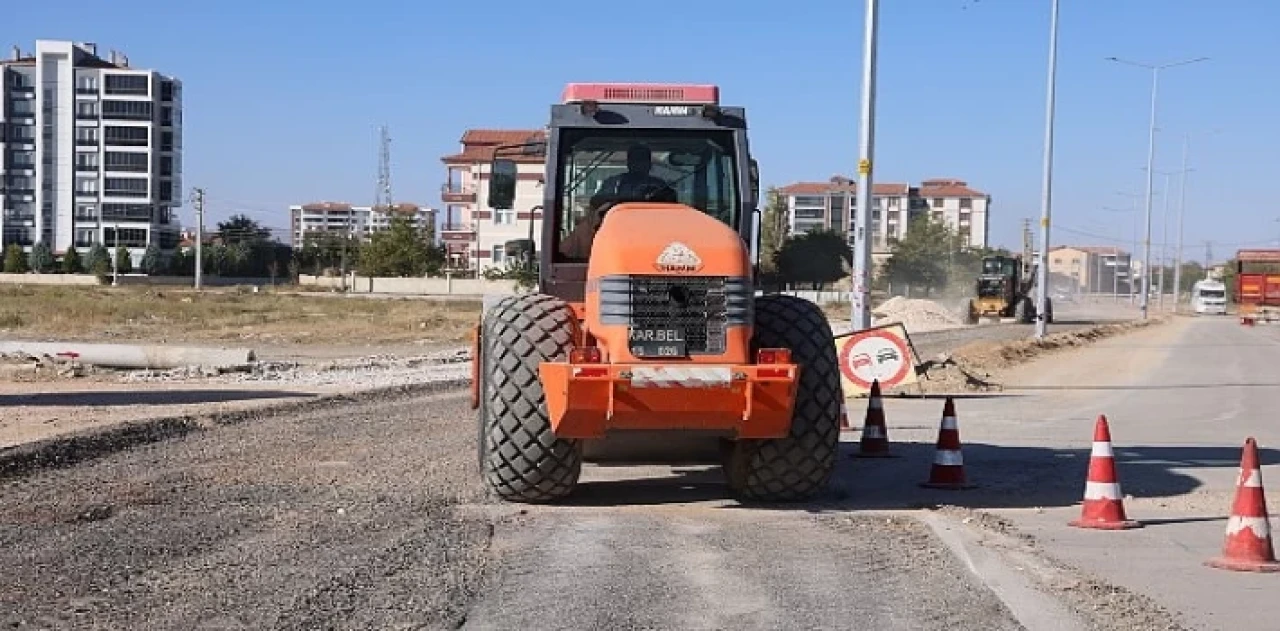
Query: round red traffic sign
[875, 354]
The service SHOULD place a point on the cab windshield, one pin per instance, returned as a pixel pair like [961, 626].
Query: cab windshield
[602, 168]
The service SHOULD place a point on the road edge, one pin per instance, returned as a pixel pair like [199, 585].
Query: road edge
[70, 449]
[1034, 609]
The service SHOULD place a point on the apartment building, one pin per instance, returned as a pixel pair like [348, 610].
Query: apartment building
[475, 236]
[90, 150]
[346, 219]
[833, 204]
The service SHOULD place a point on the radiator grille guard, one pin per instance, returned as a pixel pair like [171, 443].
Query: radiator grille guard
[673, 316]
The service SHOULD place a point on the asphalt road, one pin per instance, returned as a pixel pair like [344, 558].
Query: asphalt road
[369, 515]
[1181, 398]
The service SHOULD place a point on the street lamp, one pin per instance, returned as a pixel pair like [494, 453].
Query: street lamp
[1151, 158]
[1164, 234]
[1046, 203]
[1182, 211]
[860, 294]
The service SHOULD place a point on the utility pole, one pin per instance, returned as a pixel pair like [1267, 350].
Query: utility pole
[115, 258]
[1151, 159]
[1182, 209]
[1046, 208]
[199, 195]
[1164, 237]
[860, 297]
[1208, 255]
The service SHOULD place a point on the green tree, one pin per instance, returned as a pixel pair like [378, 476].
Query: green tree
[815, 257]
[42, 260]
[932, 256]
[182, 263]
[152, 259]
[124, 262]
[773, 230]
[15, 261]
[242, 229]
[71, 262]
[401, 250]
[98, 261]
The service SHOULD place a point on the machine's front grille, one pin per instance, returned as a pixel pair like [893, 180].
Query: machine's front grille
[699, 308]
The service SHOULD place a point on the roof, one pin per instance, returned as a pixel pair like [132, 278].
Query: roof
[478, 145]
[1108, 250]
[839, 184]
[403, 208]
[1258, 255]
[326, 207]
[948, 187]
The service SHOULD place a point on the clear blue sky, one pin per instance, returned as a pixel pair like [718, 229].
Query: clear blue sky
[282, 104]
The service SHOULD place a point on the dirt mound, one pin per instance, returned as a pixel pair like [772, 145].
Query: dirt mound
[917, 315]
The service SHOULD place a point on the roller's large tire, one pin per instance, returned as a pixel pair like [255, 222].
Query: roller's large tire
[521, 460]
[798, 466]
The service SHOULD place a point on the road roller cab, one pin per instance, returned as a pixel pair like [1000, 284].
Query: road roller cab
[645, 317]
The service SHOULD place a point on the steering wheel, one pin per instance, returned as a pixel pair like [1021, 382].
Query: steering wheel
[650, 191]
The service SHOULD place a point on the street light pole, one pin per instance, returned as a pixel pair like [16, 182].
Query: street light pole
[860, 294]
[1046, 203]
[1151, 158]
[1182, 207]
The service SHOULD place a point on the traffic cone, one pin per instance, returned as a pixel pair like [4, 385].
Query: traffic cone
[875, 434]
[1248, 545]
[1103, 507]
[948, 462]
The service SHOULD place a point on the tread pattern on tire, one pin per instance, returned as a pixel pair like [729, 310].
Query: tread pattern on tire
[798, 466]
[522, 459]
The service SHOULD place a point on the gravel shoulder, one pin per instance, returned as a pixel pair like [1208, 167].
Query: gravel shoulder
[340, 517]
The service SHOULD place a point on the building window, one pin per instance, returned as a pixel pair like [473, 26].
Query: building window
[937, 202]
[810, 200]
[499, 254]
[966, 203]
[130, 162]
[893, 202]
[126, 136]
[125, 187]
[128, 84]
[22, 107]
[504, 217]
[86, 136]
[127, 110]
[86, 161]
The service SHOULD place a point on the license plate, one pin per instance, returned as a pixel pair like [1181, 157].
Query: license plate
[658, 343]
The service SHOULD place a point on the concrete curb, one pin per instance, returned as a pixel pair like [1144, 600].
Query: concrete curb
[72, 449]
[1032, 608]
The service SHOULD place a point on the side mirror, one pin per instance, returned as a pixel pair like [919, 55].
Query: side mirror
[755, 181]
[502, 184]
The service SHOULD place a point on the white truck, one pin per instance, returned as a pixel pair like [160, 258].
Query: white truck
[1209, 296]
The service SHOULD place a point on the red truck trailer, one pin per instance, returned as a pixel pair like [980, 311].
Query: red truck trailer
[1257, 287]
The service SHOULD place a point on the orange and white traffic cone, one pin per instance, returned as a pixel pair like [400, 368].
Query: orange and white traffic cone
[1103, 507]
[875, 434]
[948, 461]
[1248, 546]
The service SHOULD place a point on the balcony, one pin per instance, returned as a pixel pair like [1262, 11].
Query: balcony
[458, 193]
[460, 231]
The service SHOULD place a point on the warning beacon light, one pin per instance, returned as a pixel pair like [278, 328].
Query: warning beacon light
[589, 96]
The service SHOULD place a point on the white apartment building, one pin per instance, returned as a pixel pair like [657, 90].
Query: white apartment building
[358, 221]
[833, 204]
[90, 150]
[475, 236]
